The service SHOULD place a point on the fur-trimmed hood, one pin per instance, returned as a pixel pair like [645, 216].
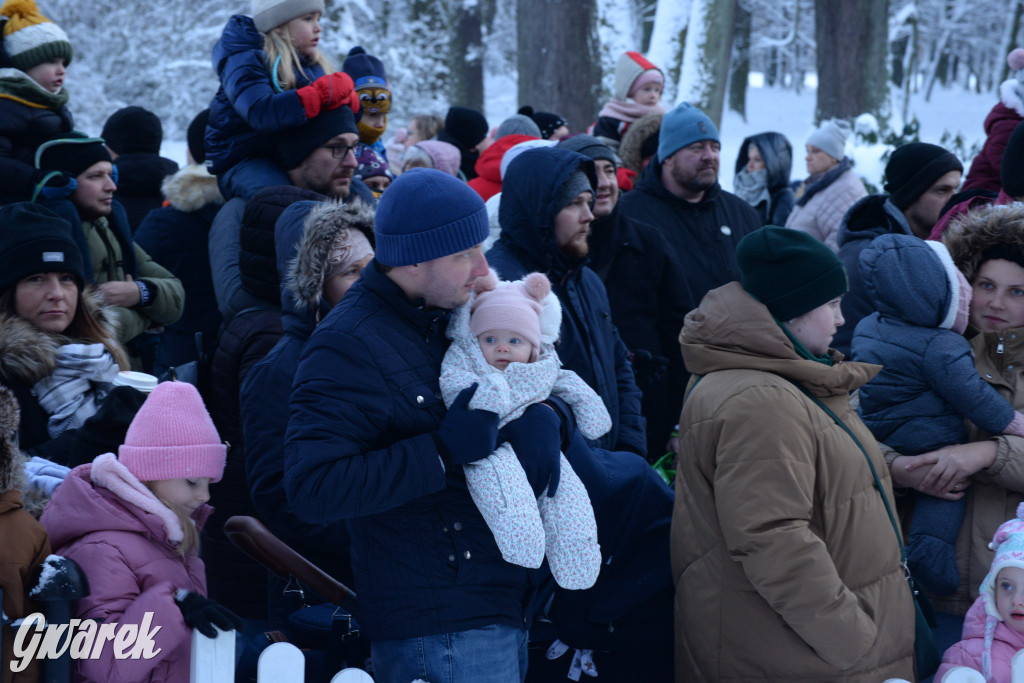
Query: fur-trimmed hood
[191, 188]
[28, 354]
[11, 460]
[977, 231]
[323, 226]
[635, 136]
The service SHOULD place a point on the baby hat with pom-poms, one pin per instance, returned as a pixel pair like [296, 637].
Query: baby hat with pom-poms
[1008, 543]
[515, 306]
[1011, 91]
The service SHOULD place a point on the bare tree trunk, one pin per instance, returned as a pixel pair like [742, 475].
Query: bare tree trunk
[466, 59]
[559, 58]
[740, 64]
[852, 39]
[707, 54]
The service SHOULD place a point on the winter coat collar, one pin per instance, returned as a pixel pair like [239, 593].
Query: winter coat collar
[813, 185]
[731, 330]
[385, 290]
[191, 188]
[529, 204]
[870, 217]
[112, 475]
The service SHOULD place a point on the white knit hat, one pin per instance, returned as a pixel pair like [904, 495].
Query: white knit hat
[830, 138]
[269, 14]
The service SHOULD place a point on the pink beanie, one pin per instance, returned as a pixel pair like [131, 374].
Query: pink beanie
[173, 437]
[514, 306]
[446, 156]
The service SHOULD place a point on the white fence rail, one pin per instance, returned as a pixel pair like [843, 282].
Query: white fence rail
[213, 661]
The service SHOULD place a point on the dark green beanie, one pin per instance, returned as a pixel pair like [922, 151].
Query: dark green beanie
[789, 271]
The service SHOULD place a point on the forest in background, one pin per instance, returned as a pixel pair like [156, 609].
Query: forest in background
[561, 54]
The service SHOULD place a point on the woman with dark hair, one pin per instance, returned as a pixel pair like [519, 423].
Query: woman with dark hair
[762, 176]
[58, 352]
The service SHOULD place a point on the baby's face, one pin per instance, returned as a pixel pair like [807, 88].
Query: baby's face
[1010, 597]
[502, 347]
[648, 94]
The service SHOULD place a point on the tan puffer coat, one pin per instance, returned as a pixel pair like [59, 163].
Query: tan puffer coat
[785, 561]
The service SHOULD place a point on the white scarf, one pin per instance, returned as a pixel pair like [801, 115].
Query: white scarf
[81, 379]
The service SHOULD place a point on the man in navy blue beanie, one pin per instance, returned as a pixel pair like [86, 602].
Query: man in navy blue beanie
[678, 193]
[369, 441]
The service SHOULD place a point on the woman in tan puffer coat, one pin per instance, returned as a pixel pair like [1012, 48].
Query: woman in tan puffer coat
[786, 564]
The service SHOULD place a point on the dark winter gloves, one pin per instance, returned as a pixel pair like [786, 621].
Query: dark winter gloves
[329, 92]
[203, 614]
[536, 437]
[648, 368]
[105, 430]
[466, 435]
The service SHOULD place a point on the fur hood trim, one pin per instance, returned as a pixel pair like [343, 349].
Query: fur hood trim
[635, 136]
[191, 188]
[109, 473]
[28, 354]
[978, 230]
[12, 468]
[322, 227]
[1011, 94]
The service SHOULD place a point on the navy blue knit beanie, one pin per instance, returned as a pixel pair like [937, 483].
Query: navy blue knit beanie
[427, 214]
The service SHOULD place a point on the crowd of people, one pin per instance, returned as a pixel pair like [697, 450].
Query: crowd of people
[451, 369]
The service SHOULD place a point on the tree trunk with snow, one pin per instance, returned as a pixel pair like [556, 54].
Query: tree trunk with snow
[559, 59]
[740, 64]
[466, 57]
[705, 72]
[668, 36]
[852, 39]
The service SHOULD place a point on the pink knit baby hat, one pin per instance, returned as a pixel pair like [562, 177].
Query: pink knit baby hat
[173, 437]
[514, 306]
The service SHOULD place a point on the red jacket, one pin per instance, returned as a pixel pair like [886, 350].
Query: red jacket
[488, 167]
[984, 173]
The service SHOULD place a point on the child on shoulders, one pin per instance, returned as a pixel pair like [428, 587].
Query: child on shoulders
[638, 88]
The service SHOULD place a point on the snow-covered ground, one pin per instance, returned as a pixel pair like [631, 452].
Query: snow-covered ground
[783, 111]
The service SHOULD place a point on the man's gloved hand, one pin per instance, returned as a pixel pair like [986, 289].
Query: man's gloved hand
[536, 438]
[106, 429]
[328, 92]
[203, 614]
[466, 434]
[648, 368]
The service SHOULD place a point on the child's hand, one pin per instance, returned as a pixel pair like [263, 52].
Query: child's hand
[329, 92]
[203, 614]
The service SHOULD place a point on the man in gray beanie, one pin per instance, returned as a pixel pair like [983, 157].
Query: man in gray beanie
[369, 441]
[648, 294]
[546, 216]
[920, 178]
[678, 193]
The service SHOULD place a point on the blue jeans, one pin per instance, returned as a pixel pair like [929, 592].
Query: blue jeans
[492, 654]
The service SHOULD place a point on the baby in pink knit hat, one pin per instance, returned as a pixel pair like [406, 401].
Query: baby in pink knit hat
[503, 341]
[994, 626]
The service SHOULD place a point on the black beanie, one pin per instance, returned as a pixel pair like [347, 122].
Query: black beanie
[466, 125]
[33, 240]
[132, 130]
[789, 271]
[1012, 167]
[295, 144]
[545, 120]
[196, 136]
[915, 167]
[71, 154]
[589, 146]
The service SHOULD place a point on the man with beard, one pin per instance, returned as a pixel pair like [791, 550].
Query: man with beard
[678, 193]
[647, 291]
[545, 216]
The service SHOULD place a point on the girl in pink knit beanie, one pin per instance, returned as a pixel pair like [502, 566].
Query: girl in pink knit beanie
[132, 523]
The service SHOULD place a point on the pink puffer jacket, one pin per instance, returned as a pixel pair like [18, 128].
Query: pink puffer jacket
[968, 651]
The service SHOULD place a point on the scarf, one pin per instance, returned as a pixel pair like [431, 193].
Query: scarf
[18, 86]
[753, 188]
[628, 110]
[82, 378]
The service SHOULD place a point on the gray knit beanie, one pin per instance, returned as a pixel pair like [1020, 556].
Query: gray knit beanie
[577, 184]
[517, 124]
[830, 138]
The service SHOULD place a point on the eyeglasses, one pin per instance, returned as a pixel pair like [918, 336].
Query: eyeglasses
[341, 151]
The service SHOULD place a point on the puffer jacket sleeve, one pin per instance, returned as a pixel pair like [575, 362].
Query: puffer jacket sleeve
[247, 84]
[117, 597]
[955, 378]
[1008, 469]
[764, 485]
[332, 450]
[632, 424]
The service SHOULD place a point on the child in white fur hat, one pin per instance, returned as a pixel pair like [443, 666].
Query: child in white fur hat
[994, 626]
[502, 340]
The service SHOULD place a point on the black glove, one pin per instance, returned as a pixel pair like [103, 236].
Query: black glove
[203, 614]
[466, 435]
[536, 438]
[648, 368]
[104, 431]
